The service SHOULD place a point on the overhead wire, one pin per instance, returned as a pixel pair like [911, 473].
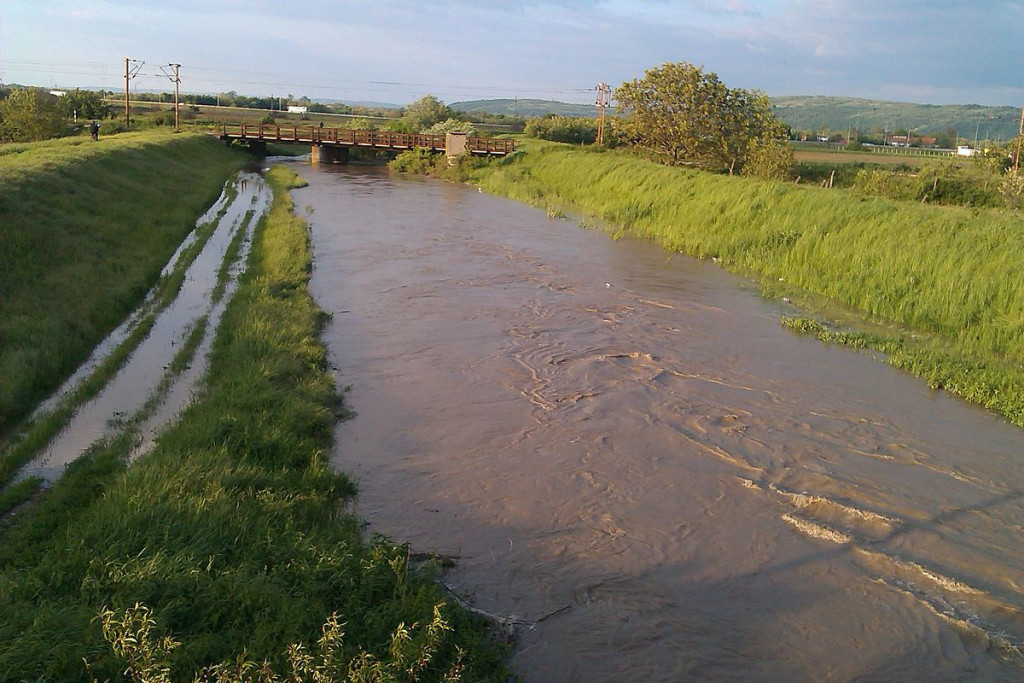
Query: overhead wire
[213, 76]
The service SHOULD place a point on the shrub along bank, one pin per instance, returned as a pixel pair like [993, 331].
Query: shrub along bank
[227, 544]
[85, 229]
[948, 278]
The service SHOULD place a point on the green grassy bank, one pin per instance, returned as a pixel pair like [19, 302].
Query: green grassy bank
[85, 229]
[944, 281]
[230, 535]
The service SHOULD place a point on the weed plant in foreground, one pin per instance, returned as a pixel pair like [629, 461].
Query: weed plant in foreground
[226, 545]
[951, 275]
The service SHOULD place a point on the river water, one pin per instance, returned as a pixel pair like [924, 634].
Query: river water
[639, 468]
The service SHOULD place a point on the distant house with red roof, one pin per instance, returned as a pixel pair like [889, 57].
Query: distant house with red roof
[911, 141]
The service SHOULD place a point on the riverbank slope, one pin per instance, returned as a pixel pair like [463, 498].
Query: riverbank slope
[87, 228]
[936, 289]
[229, 537]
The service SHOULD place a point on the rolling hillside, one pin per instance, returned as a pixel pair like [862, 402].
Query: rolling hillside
[526, 108]
[821, 113]
[841, 113]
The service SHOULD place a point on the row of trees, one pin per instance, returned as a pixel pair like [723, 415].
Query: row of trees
[31, 114]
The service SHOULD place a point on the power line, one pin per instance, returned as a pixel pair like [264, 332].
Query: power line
[284, 81]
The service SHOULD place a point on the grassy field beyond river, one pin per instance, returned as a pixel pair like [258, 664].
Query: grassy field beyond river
[943, 284]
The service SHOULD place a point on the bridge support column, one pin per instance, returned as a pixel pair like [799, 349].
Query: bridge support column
[323, 154]
[455, 144]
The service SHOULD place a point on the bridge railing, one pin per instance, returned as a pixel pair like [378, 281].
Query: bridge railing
[490, 145]
[273, 132]
[343, 136]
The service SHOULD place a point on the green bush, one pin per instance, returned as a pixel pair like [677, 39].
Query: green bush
[452, 126]
[569, 129]
[886, 183]
[419, 161]
[952, 184]
[1012, 189]
[30, 115]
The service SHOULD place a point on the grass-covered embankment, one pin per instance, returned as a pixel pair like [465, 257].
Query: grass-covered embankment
[230, 532]
[952, 275]
[85, 229]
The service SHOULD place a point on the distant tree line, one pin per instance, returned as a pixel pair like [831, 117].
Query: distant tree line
[427, 107]
[29, 114]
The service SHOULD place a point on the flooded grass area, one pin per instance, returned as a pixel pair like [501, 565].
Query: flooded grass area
[129, 377]
[162, 369]
[87, 228]
[227, 532]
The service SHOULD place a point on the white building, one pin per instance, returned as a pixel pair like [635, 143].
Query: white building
[292, 109]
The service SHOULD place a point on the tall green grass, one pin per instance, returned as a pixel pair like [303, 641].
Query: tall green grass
[85, 229]
[952, 274]
[231, 531]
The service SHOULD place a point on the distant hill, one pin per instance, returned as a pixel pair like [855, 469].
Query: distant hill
[526, 108]
[842, 113]
[820, 113]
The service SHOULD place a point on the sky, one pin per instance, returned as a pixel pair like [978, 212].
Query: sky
[395, 51]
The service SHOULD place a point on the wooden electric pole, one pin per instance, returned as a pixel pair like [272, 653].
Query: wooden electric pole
[177, 80]
[602, 101]
[1020, 134]
[127, 110]
[128, 75]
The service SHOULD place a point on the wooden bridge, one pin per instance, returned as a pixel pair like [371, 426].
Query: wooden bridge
[331, 145]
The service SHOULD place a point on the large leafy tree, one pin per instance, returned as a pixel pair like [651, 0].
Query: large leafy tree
[85, 104]
[28, 114]
[688, 116]
[424, 113]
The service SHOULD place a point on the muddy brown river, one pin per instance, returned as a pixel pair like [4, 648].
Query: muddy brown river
[640, 469]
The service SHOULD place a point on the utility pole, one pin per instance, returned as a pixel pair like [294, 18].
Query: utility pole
[602, 101]
[129, 74]
[177, 80]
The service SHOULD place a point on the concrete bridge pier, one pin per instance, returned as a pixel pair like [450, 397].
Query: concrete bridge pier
[455, 145]
[322, 154]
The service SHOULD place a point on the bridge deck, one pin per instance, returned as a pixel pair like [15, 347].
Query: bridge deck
[345, 137]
